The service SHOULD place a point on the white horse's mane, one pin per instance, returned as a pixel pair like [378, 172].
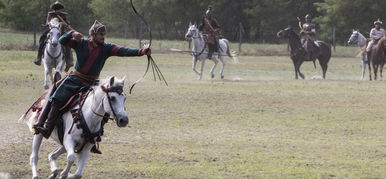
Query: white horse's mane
[54, 22]
[106, 81]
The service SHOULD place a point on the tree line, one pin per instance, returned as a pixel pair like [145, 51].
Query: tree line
[258, 20]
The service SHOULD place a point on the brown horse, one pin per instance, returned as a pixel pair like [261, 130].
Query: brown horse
[299, 54]
[377, 57]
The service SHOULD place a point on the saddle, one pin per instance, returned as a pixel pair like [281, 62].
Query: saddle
[211, 41]
[311, 48]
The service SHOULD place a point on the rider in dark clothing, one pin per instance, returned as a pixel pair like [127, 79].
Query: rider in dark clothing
[57, 12]
[210, 27]
[308, 34]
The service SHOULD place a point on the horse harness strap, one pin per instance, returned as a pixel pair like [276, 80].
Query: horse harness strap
[52, 57]
[81, 122]
[203, 49]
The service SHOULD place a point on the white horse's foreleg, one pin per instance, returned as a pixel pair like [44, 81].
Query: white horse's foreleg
[60, 64]
[202, 68]
[34, 158]
[52, 159]
[223, 61]
[83, 157]
[194, 64]
[215, 61]
[47, 72]
[71, 156]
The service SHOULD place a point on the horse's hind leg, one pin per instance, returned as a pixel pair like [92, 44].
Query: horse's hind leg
[83, 157]
[215, 61]
[380, 71]
[300, 73]
[375, 69]
[223, 61]
[324, 68]
[296, 71]
[363, 68]
[34, 158]
[52, 158]
[369, 64]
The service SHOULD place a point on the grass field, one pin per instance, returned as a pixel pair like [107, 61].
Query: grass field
[256, 123]
[24, 41]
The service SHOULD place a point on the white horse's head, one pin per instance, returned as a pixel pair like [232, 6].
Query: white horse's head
[192, 31]
[354, 37]
[55, 32]
[114, 100]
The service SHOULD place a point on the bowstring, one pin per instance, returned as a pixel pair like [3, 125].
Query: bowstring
[150, 60]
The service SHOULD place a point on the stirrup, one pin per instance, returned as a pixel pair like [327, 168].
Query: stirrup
[95, 150]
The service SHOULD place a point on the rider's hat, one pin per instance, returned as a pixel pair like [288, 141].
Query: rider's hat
[307, 16]
[57, 6]
[378, 22]
[97, 27]
[209, 11]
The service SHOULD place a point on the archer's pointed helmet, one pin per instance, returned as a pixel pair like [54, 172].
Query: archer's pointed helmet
[97, 27]
[56, 6]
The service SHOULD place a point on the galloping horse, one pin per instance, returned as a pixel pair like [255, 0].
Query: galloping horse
[200, 53]
[377, 57]
[106, 99]
[299, 54]
[53, 52]
[361, 40]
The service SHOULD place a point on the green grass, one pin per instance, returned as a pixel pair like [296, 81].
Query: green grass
[256, 123]
[19, 41]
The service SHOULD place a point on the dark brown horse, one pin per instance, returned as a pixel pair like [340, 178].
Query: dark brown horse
[299, 54]
[377, 57]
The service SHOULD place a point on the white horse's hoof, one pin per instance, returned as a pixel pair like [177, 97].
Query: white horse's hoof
[71, 176]
[37, 177]
[212, 75]
[54, 174]
[62, 176]
[222, 76]
[46, 87]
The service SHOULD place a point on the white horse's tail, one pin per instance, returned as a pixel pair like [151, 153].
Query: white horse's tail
[30, 117]
[232, 54]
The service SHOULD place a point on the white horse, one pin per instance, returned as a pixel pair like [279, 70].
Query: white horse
[361, 40]
[107, 98]
[200, 53]
[53, 53]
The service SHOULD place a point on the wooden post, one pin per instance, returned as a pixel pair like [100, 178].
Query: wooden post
[241, 31]
[34, 27]
[333, 37]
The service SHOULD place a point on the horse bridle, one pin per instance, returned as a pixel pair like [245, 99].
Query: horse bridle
[48, 53]
[116, 89]
[356, 35]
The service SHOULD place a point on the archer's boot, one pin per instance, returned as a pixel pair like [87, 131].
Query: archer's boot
[43, 116]
[51, 120]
